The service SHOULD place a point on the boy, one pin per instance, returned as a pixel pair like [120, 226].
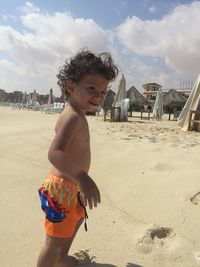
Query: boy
[68, 188]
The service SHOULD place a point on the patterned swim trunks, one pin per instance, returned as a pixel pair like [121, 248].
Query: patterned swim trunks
[60, 201]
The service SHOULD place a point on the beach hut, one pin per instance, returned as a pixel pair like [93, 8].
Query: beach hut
[189, 118]
[137, 100]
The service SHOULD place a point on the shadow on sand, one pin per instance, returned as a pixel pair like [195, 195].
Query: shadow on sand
[85, 260]
[95, 264]
[133, 265]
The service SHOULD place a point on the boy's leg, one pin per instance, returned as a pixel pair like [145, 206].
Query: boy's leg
[55, 251]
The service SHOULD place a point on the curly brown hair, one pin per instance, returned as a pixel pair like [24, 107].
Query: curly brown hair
[83, 63]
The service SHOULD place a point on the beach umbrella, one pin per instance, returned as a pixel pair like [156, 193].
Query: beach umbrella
[50, 98]
[158, 106]
[193, 103]
[34, 98]
[121, 92]
[120, 101]
[29, 99]
[24, 98]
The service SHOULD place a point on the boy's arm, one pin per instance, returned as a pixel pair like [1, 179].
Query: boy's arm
[61, 160]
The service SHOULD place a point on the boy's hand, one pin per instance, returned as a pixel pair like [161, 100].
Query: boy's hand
[90, 194]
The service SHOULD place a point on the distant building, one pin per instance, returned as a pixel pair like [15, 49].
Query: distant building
[150, 91]
[43, 99]
[3, 95]
[15, 97]
[20, 97]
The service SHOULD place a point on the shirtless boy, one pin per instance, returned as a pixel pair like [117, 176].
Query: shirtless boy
[68, 189]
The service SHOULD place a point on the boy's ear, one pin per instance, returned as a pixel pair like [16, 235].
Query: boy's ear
[70, 86]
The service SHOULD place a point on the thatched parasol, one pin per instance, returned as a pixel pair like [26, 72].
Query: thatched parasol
[173, 99]
[136, 98]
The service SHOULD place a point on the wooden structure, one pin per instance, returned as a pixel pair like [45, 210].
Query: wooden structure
[148, 113]
[194, 120]
[112, 114]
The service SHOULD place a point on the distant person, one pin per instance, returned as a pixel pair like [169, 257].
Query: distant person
[68, 189]
[149, 109]
[142, 109]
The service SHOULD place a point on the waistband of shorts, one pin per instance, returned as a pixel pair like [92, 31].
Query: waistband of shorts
[52, 177]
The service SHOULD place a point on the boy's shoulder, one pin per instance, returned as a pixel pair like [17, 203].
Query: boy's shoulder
[69, 117]
[70, 114]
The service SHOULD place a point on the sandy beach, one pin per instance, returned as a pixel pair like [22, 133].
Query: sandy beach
[149, 176]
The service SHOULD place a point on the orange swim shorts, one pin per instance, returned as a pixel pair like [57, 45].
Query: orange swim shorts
[60, 197]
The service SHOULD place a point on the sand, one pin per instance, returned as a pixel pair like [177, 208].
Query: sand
[149, 176]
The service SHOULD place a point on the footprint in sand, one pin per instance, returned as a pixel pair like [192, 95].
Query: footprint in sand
[196, 199]
[163, 167]
[155, 237]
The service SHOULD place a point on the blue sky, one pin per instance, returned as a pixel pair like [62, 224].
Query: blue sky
[150, 40]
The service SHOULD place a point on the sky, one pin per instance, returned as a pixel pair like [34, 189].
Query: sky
[150, 40]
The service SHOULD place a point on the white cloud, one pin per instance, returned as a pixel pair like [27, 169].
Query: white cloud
[34, 55]
[138, 73]
[29, 8]
[175, 38]
[47, 41]
[153, 9]
[9, 17]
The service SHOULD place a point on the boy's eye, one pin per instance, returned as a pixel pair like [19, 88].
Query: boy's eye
[92, 89]
[103, 93]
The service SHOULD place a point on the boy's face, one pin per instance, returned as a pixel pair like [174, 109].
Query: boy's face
[89, 93]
